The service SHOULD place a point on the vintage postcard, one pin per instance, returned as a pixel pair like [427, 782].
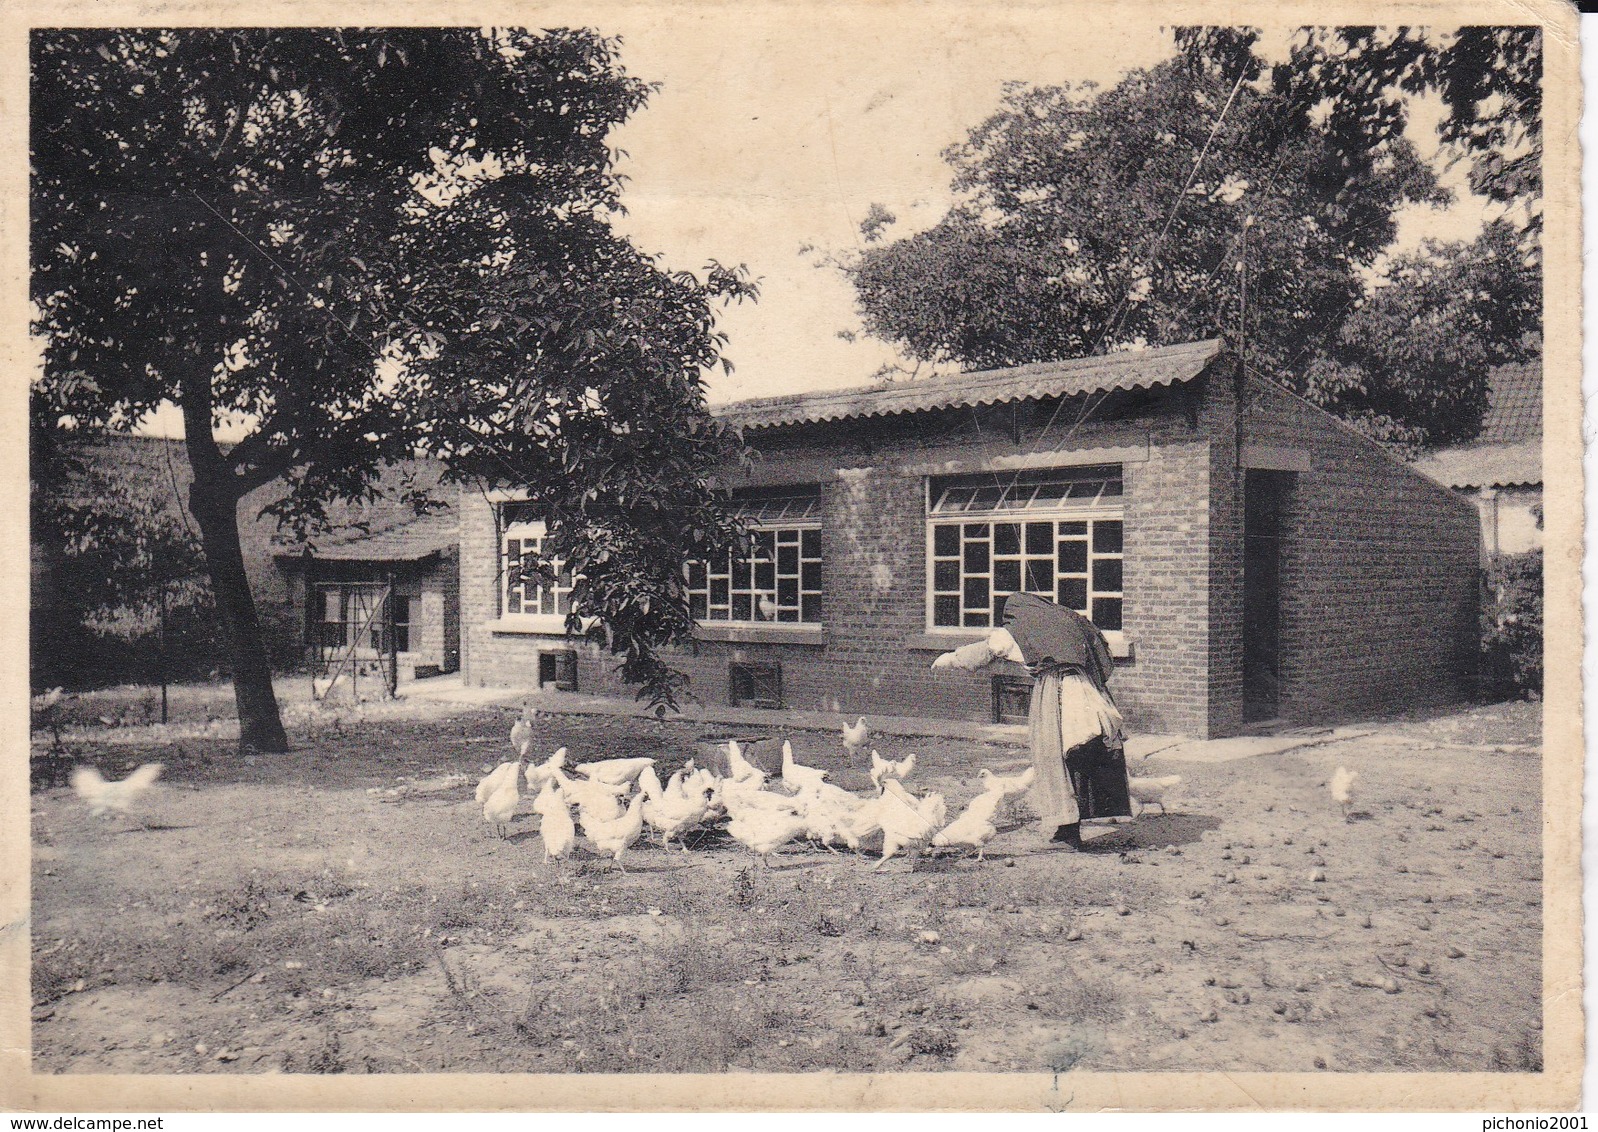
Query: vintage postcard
[903, 555]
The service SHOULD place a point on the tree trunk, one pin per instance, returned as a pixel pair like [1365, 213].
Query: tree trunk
[260, 727]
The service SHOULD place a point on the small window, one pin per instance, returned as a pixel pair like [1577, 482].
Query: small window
[755, 685]
[1012, 699]
[558, 667]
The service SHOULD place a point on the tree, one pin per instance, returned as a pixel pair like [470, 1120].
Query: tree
[120, 566]
[1090, 220]
[258, 225]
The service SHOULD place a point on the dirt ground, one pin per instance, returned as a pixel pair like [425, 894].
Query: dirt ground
[305, 913]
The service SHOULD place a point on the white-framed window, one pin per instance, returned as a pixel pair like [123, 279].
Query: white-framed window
[1055, 533]
[521, 539]
[779, 579]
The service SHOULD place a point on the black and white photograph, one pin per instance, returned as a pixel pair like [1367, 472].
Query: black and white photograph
[907, 556]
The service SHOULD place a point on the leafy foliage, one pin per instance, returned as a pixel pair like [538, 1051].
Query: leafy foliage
[1512, 625]
[125, 578]
[1090, 220]
[358, 244]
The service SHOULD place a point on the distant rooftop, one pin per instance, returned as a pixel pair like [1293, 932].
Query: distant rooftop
[1139, 369]
[1508, 450]
[397, 535]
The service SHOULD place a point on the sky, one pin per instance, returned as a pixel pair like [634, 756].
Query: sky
[775, 129]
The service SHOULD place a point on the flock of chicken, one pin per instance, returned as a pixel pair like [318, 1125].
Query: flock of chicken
[761, 813]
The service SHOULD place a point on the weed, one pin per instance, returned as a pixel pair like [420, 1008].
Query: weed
[1524, 1056]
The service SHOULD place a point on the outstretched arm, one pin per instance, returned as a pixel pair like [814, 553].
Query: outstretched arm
[998, 645]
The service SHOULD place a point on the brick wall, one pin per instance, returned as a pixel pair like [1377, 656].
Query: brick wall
[872, 478]
[1379, 581]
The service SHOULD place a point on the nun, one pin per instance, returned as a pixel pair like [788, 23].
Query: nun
[1075, 729]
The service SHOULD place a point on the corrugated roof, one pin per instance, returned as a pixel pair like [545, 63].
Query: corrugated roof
[1486, 465]
[1515, 411]
[1139, 369]
[403, 538]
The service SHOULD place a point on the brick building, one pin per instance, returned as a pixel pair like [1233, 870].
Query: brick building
[387, 594]
[1247, 563]
[1501, 470]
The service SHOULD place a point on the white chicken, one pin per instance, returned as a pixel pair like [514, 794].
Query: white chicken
[906, 820]
[521, 734]
[974, 828]
[855, 736]
[882, 768]
[500, 805]
[1342, 786]
[1151, 791]
[764, 829]
[555, 827]
[615, 836]
[495, 778]
[1010, 785]
[121, 796]
[831, 814]
[596, 801]
[545, 772]
[614, 771]
[740, 769]
[46, 700]
[671, 809]
[797, 776]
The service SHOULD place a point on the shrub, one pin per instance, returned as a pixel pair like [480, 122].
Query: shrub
[1512, 626]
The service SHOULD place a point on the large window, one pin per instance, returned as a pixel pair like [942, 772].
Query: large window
[779, 578]
[520, 542]
[1057, 534]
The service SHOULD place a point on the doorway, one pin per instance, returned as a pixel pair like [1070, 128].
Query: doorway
[1265, 500]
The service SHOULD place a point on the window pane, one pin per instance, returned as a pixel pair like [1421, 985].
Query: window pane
[810, 608]
[976, 530]
[1073, 594]
[945, 576]
[788, 591]
[1006, 538]
[765, 575]
[788, 559]
[976, 620]
[946, 540]
[810, 575]
[1007, 575]
[742, 573]
[1040, 575]
[976, 593]
[1073, 557]
[1107, 536]
[1048, 495]
[696, 606]
[946, 610]
[1085, 489]
[810, 543]
[563, 602]
[1073, 529]
[976, 557]
[696, 575]
[1106, 575]
[1039, 537]
[985, 498]
[741, 608]
[718, 591]
[1107, 612]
